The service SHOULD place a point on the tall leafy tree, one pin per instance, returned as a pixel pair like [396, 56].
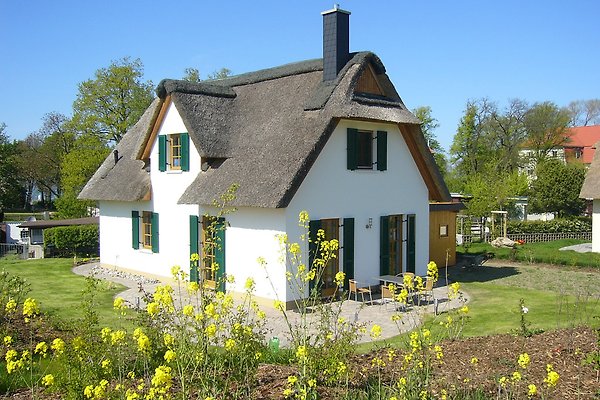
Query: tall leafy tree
[508, 133]
[77, 167]
[428, 125]
[108, 105]
[556, 188]
[584, 112]
[11, 189]
[546, 127]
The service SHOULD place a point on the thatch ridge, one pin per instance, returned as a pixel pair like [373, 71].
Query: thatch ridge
[591, 185]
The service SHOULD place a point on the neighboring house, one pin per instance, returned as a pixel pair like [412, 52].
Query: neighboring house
[328, 136]
[12, 233]
[35, 229]
[579, 149]
[591, 191]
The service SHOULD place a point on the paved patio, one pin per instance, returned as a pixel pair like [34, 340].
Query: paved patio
[365, 313]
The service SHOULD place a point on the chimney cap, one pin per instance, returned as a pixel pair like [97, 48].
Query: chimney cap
[336, 8]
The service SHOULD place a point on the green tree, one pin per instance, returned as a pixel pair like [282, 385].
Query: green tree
[428, 125]
[41, 156]
[108, 105]
[11, 188]
[77, 167]
[493, 191]
[193, 75]
[584, 112]
[546, 127]
[556, 188]
[508, 133]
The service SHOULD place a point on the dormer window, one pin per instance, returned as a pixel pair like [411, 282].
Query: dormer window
[361, 152]
[173, 152]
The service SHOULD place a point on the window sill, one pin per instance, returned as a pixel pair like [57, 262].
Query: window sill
[174, 171]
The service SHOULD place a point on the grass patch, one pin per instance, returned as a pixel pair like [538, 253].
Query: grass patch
[535, 253]
[60, 291]
[557, 297]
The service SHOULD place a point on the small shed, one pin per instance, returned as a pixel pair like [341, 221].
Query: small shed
[442, 232]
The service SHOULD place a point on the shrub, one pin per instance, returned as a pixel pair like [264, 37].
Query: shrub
[72, 240]
[556, 225]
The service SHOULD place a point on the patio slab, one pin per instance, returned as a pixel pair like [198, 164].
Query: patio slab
[354, 311]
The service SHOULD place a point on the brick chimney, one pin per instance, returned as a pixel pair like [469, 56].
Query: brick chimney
[336, 41]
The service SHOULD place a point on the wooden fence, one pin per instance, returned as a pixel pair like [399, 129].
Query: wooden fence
[533, 237]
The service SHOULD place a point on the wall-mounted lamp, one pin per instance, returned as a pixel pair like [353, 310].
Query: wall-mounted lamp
[369, 224]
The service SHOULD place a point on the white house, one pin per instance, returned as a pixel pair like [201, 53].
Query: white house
[330, 136]
[591, 191]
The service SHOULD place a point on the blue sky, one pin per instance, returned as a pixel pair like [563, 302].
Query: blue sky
[437, 53]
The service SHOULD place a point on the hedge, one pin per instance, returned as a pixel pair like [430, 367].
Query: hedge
[555, 225]
[81, 240]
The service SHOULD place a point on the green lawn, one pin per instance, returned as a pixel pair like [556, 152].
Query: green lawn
[59, 290]
[547, 253]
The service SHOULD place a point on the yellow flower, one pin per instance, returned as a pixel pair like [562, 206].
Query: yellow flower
[310, 275]
[119, 303]
[41, 348]
[432, 271]
[153, 308]
[58, 345]
[303, 217]
[48, 380]
[278, 304]
[292, 379]
[454, 290]
[464, 310]
[552, 379]
[503, 381]
[105, 334]
[474, 360]
[375, 331]
[168, 339]
[194, 257]
[8, 340]
[295, 249]
[230, 344]
[287, 392]
[301, 352]
[210, 330]
[188, 310]
[532, 390]
[143, 342]
[162, 377]
[105, 364]
[30, 307]
[249, 286]
[11, 306]
[170, 355]
[408, 282]
[516, 376]
[193, 287]
[175, 271]
[524, 360]
[88, 391]
[117, 337]
[339, 278]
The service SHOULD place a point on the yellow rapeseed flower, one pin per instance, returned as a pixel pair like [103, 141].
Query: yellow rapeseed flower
[168, 339]
[105, 364]
[230, 344]
[249, 285]
[48, 380]
[292, 379]
[11, 306]
[339, 278]
[30, 308]
[303, 217]
[532, 390]
[153, 308]
[118, 337]
[41, 348]
[375, 331]
[193, 287]
[8, 340]
[119, 303]
[58, 346]
[301, 352]
[524, 360]
[170, 355]
[188, 310]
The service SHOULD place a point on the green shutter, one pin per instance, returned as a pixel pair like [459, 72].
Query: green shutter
[220, 253]
[185, 151]
[352, 149]
[381, 150]
[135, 229]
[162, 153]
[194, 222]
[313, 228]
[348, 250]
[154, 232]
[410, 244]
[384, 245]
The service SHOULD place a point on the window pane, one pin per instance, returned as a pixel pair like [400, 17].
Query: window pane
[365, 149]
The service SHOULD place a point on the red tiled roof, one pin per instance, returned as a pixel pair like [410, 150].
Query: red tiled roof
[584, 137]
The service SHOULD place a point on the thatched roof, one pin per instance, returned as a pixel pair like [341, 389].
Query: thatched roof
[591, 184]
[267, 128]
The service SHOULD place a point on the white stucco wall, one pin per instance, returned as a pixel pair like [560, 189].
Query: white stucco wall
[596, 226]
[330, 190]
[167, 188]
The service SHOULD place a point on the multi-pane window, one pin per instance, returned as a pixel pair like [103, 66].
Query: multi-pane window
[364, 159]
[147, 229]
[361, 151]
[175, 151]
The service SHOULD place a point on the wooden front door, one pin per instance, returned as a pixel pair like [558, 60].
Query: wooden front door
[332, 231]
